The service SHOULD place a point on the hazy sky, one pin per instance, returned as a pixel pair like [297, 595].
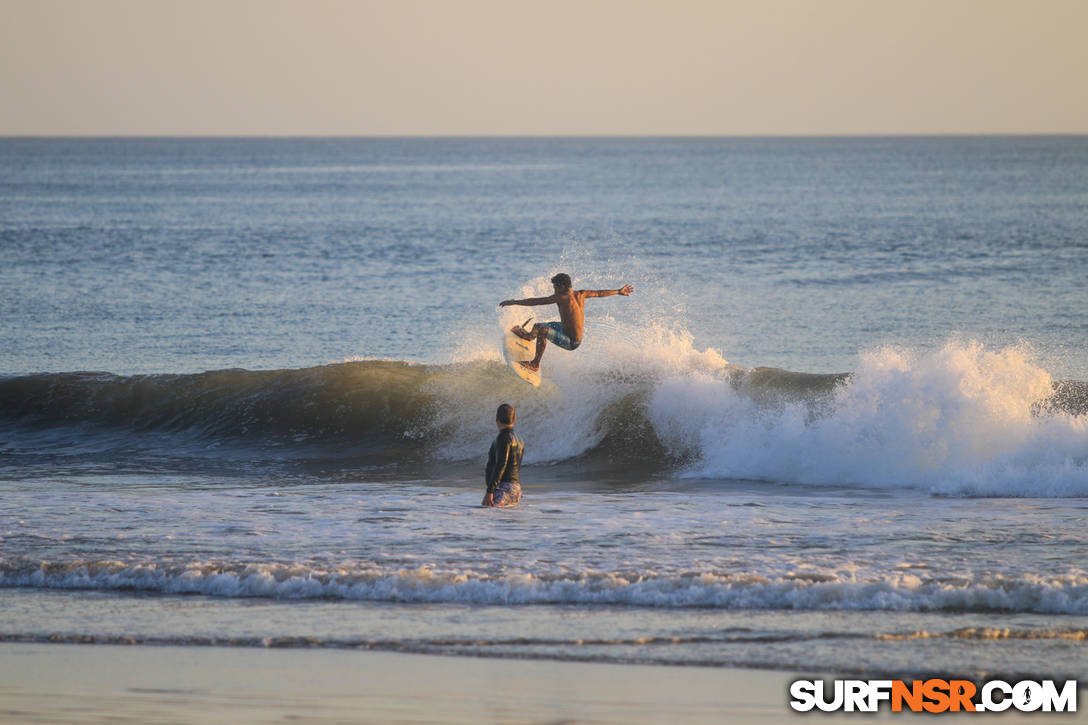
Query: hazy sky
[316, 67]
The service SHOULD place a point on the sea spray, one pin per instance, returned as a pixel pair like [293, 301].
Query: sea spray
[963, 420]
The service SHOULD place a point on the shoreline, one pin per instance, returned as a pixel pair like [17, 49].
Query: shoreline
[77, 683]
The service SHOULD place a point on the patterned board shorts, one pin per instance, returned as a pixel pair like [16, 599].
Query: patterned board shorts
[506, 493]
[554, 332]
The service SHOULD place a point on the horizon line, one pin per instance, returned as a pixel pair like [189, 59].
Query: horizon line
[195, 136]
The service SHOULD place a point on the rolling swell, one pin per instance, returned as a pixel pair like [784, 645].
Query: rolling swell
[378, 412]
[366, 406]
[378, 409]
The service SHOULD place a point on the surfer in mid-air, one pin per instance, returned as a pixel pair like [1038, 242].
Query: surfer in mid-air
[571, 303]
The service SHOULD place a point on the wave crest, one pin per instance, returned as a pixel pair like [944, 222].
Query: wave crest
[963, 420]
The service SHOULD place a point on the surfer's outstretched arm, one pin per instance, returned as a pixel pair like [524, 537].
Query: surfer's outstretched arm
[624, 290]
[531, 301]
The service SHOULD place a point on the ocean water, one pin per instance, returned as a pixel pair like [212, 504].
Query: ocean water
[247, 388]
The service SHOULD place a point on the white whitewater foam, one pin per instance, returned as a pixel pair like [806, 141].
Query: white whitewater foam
[1064, 594]
[963, 420]
[624, 351]
[563, 418]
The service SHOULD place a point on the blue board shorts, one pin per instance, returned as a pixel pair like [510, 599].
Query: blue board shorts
[554, 332]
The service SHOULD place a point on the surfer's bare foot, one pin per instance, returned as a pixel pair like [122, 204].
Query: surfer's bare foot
[522, 333]
[530, 365]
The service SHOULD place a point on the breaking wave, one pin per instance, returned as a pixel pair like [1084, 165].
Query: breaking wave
[964, 420]
[1025, 593]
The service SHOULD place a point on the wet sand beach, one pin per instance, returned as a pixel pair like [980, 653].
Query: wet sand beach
[51, 683]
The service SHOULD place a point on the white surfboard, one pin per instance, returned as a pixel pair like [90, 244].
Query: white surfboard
[515, 350]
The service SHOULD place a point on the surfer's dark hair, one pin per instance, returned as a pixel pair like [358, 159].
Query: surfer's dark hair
[506, 414]
[562, 280]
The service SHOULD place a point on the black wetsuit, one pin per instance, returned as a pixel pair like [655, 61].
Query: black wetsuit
[503, 464]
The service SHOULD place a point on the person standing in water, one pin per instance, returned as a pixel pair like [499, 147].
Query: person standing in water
[504, 461]
[567, 334]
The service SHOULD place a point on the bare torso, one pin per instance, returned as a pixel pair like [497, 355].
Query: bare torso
[572, 305]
